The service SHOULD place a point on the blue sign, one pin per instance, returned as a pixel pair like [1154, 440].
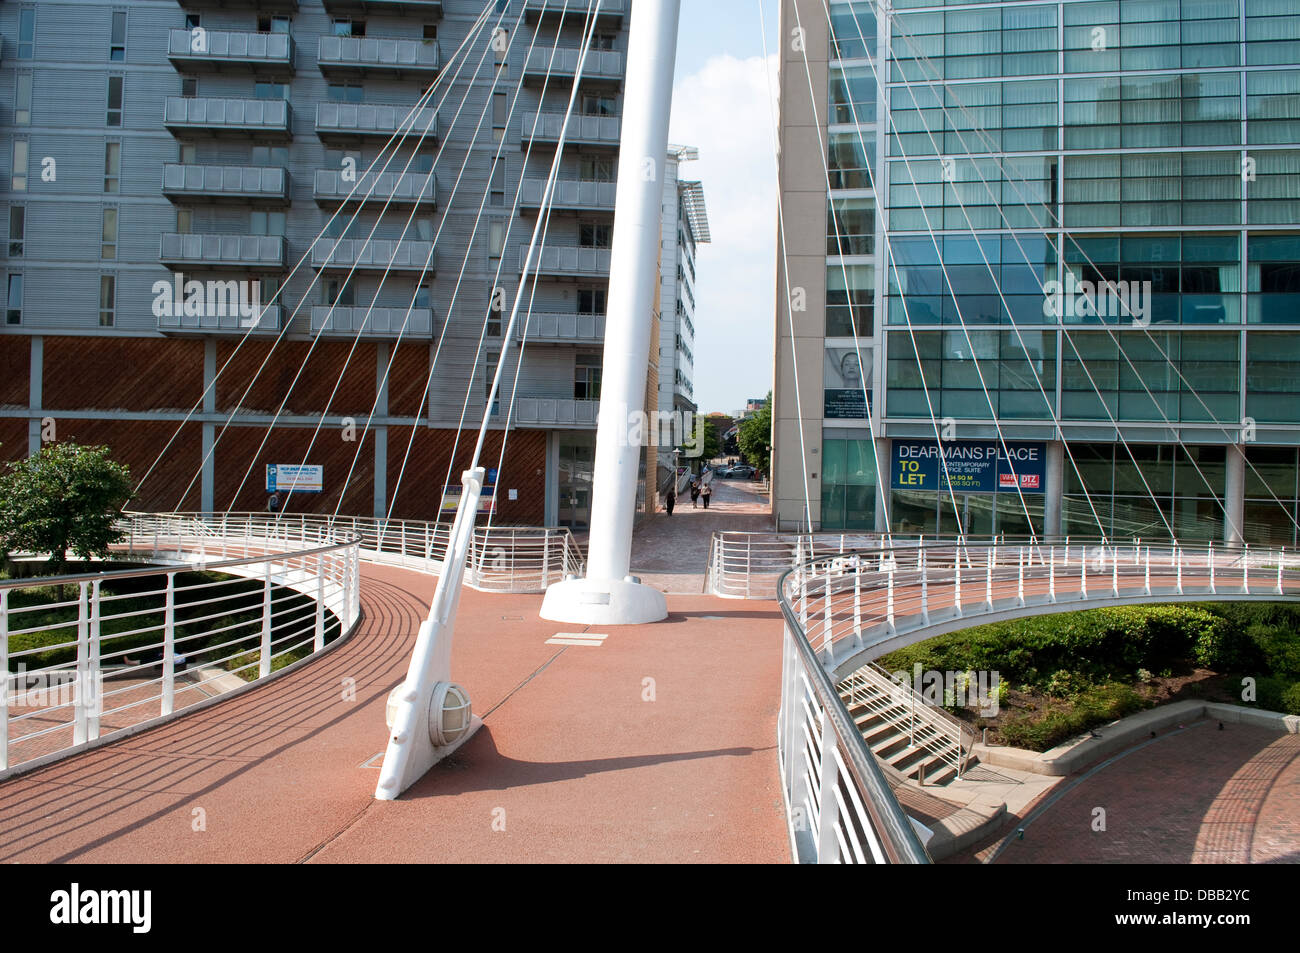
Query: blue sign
[969, 466]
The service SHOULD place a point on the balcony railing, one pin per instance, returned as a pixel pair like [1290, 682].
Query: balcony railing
[410, 188]
[569, 194]
[213, 49]
[377, 254]
[264, 317]
[583, 130]
[257, 117]
[605, 66]
[377, 54]
[270, 6]
[233, 183]
[222, 251]
[372, 322]
[609, 9]
[354, 120]
[548, 327]
[568, 260]
[554, 412]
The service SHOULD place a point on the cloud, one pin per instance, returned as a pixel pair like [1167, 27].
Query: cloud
[724, 109]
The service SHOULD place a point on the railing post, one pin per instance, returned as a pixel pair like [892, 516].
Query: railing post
[1245, 570]
[857, 599]
[1211, 559]
[96, 673]
[319, 642]
[1051, 573]
[988, 582]
[1020, 579]
[956, 584]
[1281, 558]
[1083, 571]
[169, 647]
[1146, 573]
[889, 600]
[828, 848]
[4, 679]
[925, 585]
[1178, 558]
[1114, 572]
[79, 728]
[749, 560]
[828, 629]
[264, 663]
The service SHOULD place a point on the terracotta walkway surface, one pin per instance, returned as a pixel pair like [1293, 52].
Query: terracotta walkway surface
[1192, 796]
[574, 763]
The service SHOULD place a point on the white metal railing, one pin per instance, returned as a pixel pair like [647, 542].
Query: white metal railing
[843, 610]
[89, 656]
[501, 559]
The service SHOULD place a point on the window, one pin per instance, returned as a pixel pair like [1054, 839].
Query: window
[265, 90]
[431, 31]
[114, 101]
[497, 195]
[339, 293]
[423, 162]
[591, 300]
[18, 177]
[272, 24]
[184, 221]
[192, 20]
[496, 304]
[499, 113]
[23, 99]
[586, 377]
[489, 373]
[107, 300]
[112, 165]
[423, 298]
[189, 154]
[270, 155]
[500, 46]
[266, 223]
[603, 41]
[14, 309]
[117, 42]
[26, 36]
[349, 27]
[17, 228]
[189, 87]
[595, 236]
[596, 169]
[496, 238]
[598, 105]
[108, 245]
[343, 92]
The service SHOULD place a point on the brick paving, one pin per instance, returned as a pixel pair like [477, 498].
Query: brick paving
[1195, 796]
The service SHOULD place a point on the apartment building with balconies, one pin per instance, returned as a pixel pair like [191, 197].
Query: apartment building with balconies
[148, 145]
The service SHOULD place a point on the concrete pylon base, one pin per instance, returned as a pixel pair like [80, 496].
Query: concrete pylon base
[603, 602]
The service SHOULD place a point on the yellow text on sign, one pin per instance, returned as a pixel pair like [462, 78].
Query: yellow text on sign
[909, 474]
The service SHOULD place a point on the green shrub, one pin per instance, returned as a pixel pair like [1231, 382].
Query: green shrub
[1098, 705]
[1280, 649]
[1291, 700]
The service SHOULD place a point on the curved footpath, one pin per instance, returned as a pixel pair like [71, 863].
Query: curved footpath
[574, 762]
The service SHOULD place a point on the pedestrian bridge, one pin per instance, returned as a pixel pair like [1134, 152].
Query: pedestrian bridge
[326, 590]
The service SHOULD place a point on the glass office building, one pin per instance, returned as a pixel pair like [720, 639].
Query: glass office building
[1061, 265]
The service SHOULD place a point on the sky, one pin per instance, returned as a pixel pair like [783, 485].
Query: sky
[722, 106]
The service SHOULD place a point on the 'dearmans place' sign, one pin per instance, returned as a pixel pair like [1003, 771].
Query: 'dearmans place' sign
[969, 466]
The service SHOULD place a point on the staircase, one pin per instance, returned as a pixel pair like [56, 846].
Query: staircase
[923, 743]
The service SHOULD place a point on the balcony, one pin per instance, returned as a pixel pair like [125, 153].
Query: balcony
[404, 189]
[204, 252]
[583, 130]
[568, 261]
[569, 195]
[235, 184]
[610, 10]
[548, 327]
[261, 118]
[377, 322]
[376, 55]
[602, 66]
[270, 6]
[377, 254]
[423, 8]
[555, 412]
[266, 318]
[351, 121]
[258, 52]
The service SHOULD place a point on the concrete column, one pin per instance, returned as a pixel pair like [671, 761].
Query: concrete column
[1052, 493]
[382, 358]
[884, 453]
[208, 477]
[35, 388]
[1234, 496]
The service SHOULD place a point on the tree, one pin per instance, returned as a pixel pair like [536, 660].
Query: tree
[704, 443]
[66, 497]
[755, 437]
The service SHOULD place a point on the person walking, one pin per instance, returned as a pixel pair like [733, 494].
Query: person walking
[706, 493]
[273, 504]
[670, 500]
[695, 494]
